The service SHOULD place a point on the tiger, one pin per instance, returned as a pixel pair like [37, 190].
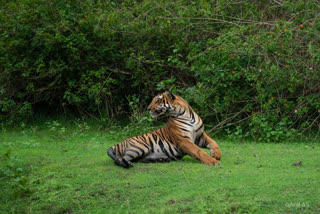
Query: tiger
[183, 135]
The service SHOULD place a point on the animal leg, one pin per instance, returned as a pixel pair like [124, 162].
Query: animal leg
[194, 151]
[212, 145]
[131, 153]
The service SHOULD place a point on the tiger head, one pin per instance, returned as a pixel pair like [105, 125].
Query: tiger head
[162, 104]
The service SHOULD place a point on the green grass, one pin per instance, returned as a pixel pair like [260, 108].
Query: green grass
[57, 169]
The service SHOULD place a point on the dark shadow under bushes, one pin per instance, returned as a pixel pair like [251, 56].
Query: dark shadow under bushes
[249, 68]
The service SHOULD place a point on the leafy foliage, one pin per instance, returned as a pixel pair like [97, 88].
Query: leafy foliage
[250, 68]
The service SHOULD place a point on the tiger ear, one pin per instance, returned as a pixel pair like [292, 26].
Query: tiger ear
[170, 95]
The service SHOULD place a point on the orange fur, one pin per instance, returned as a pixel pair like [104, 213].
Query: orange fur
[184, 134]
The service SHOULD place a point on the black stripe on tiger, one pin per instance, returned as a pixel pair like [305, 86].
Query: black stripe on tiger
[183, 129]
[163, 148]
[131, 156]
[155, 138]
[199, 127]
[134, 151]
[142, 142]
[172, 152]
[191, 115]
[134, 146]
[151, 144]
[185, 123]
[171, 142]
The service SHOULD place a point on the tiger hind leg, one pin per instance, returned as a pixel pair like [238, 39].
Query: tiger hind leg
[119, 161]
[131, 152]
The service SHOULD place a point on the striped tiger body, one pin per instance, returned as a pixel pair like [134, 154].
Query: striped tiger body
[183, 135]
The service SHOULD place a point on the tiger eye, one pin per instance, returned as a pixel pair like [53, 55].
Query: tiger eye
[158, 99]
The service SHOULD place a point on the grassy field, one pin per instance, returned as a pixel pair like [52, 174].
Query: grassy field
[55, 168]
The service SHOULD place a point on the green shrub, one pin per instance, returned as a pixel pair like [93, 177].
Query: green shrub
[250, 64]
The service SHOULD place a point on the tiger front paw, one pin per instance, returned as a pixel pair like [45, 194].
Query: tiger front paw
[212, 162]
[216, 153]
[217, 163]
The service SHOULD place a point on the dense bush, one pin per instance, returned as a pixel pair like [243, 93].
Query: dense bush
[248, 67]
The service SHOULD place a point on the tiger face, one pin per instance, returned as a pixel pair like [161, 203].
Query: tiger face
[162, 104]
